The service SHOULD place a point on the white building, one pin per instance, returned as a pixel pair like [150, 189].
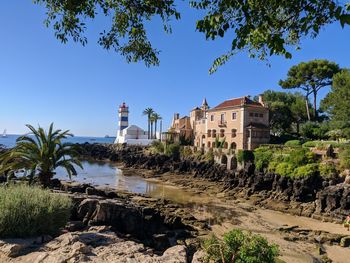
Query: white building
[130, 135]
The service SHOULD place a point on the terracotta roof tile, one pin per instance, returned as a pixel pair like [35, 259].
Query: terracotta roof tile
[237, 102]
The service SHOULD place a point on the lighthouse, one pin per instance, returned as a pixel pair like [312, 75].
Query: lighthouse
[123, 115]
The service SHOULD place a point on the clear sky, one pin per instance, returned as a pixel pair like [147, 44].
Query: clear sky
[80, 88]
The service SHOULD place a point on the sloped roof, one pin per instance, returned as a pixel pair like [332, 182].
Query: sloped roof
[237, 102]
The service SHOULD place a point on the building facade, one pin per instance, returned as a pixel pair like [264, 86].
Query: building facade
[239, 123]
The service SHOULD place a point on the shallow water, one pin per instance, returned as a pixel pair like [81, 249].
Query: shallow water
[107, 174]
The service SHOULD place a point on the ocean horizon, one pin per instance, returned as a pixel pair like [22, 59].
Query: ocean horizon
[10, 140]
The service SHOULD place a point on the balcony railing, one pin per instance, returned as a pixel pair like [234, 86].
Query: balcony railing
[222, 123]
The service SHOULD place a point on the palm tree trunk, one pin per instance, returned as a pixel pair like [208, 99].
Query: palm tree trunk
[160, 130]
[45, 179]
[155, 129]
[149, 127]
[151, 130]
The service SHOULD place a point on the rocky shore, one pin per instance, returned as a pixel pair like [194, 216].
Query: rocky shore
[312, 196]
[109, 226]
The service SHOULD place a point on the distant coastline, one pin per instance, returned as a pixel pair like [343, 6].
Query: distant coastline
[10, 140]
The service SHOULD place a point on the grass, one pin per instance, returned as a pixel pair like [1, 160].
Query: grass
[31, 211]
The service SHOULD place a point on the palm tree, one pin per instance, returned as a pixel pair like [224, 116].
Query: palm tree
[156, 118]
[152, 121]
[148, 112]
[41, 155]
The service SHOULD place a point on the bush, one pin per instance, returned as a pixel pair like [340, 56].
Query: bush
[293, 143]
[284, 169]
[31, 211]
[262, 157]
[299, 157]
[243, 247]
[328, 169]
[173, 150]
[344, 156]
[209, 156]
[305, 170]
[157, 147]
[245, 156]
[186, 152]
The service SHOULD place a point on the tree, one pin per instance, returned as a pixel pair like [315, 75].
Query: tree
[41, 155]
[261, 27]
[285, 109]
[156, 118]
[337, 102]
[311, 77]
[148, 112]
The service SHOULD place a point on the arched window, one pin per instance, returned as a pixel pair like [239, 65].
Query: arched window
[233, 133]
[213, 134]
[224, 160]
[209, 133]
[225, 145]
[222, 133]
[233, 146]
[209, 144]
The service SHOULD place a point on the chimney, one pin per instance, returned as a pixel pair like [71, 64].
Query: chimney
[261, 100]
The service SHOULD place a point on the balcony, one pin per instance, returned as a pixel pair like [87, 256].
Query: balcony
[222, 123]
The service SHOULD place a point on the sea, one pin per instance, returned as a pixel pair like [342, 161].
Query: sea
[10, 140]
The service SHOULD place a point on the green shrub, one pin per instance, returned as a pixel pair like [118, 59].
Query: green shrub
[186, 152]
[242, 246]
[157, 147]
[344, 156]
[245, 156]
[328, 169]
[262, 157]
[305, 170]
[272, 166]
[310, 144]
[31, 211]
[209, 156]
[284, 169]
[293, 143]
[173, 150]
[299, 157]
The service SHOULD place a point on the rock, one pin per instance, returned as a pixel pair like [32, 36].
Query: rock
[176, 254]
[75, 226]
[160, 241]
[198, 257]
[15, 247]
[345, 242]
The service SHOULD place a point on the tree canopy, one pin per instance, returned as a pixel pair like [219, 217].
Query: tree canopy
[311, 77]
[261, 27]
[286, 110]
[337, 102]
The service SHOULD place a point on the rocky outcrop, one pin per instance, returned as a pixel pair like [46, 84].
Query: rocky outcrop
[319, 194]
[97, 244]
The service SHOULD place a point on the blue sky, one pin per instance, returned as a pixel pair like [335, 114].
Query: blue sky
[80, 88]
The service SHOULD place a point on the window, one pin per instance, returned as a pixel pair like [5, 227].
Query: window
[251, 114]
[261, 115]
[222, 133]
[209, 133]
[209, 144]
[225, 145]
[222, 117]
[213, 133]
[234, 115]
[233, 133]
[212, 117]
[233, 145]
[256, 114]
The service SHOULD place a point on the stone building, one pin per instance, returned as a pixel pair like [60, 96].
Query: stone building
[238, 123]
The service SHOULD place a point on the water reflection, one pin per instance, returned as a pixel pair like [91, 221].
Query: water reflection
[202, 206]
